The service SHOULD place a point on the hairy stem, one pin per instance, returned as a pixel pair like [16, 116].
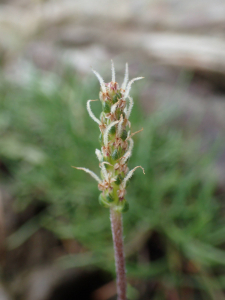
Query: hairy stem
[117, 233]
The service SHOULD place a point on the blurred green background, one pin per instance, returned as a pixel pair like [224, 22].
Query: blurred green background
[55, 238]
[174, 230]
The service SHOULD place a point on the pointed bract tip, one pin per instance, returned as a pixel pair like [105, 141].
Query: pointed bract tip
[106, 163]
[128, 87]
[126, 75]
[91, 113]
[132, 134]
[113, 71]
[89, 172]
[142, 169]
[100, 79]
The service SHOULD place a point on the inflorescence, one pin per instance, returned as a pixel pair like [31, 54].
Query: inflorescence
[115, 139]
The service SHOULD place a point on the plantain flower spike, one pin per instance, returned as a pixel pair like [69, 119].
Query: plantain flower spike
[116, 140]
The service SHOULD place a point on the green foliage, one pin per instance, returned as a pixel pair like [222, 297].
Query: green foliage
[47, 130]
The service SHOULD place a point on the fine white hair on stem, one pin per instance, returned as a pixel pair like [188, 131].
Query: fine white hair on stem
[129, 175]
[91, 113]
[104, 172]
[120, 128]
[129, 86]
[99, 154]
[106, 133]
[100, 79]
[129, 109]
[89, 172]
[126, 76]
[113, 71]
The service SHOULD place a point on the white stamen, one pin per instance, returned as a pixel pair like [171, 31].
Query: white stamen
[120, 128]
[89, 172]
[106, 133]
[125, 157]
[129, 175]
[113, 107]
[129, 109]
[129, 86]
[124, 84]
[113, 71]
[91, 113]
[104, 172]
[129, 151]
[131, 145]
[99, 154]
[100, 79]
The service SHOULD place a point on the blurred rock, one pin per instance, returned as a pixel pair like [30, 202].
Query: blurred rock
[82, 59]
[3, 294]
[51, 283]
[171, 32]
[36, 284]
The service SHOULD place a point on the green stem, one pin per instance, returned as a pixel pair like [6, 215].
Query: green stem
[117, 233]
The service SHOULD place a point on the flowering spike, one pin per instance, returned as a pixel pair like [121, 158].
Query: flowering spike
[115, 138]
[126, 76]
[91, 113]
[113, 71]
[106, 133]
[89, 172]
[129, 86]
[129, 175]
[100, 79]
[116, 149]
